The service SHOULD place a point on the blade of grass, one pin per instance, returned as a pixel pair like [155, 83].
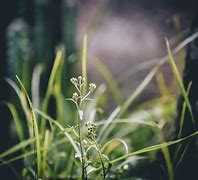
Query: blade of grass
[166, 155]
[179, 80]
[103, 132]
[153, 62]
[28, 153]
[181, 125]
[18, 124]
[182, 155]
[60, 127]
[183, 112]
[35, 130]
[35, 86]
[12, 169]
[138, 90]
[153, 148]
[147, 149]
[57, 62]
[84, 63]
[16, 158]
[111, 82]
[130, 120]
[161, 84]
[45, 149]
[23, 102]
[118, 140]
[17, 147]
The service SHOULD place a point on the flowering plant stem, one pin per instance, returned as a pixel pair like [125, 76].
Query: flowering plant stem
[84, 172]
[78, 98]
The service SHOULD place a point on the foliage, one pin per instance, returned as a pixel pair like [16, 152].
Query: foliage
[75, 142]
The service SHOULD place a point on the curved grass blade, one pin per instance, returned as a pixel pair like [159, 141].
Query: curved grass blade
[23, 102]
[35, 130]
[18, 124]
[118, 140]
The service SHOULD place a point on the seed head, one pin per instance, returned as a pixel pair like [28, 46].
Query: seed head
[75, 96]
[92, 87]
[79, 78]
[91, 130]
[74, 81]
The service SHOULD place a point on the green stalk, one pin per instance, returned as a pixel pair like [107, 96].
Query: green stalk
[79, 106]
[84, 176]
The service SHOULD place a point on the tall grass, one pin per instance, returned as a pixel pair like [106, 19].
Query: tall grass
[59, 147]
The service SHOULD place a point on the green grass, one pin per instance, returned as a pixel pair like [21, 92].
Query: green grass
[50, 147]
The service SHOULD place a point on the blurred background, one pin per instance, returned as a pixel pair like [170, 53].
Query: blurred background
[122, 34]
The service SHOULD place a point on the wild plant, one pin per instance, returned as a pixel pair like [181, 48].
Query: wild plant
[90, 141]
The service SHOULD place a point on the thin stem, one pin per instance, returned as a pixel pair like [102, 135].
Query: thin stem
[100, 156]
[84, 174]
[78, 89]
[85, 97]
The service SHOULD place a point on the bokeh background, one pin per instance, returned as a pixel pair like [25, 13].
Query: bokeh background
[121, 34]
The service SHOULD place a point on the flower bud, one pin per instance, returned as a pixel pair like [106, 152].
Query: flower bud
[75, 96]
[92, 87]
[74, 81]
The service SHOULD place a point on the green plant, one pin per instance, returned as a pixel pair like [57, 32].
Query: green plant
[91, 141]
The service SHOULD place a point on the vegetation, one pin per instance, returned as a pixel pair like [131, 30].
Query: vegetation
[77, 140]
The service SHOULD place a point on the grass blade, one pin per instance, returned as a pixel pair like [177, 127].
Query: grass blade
[17, 147]
[138, 90]
[179, 80]
[104, 132]
[84, 63]
[60, 127]
[57, 62]
[118, 140]
[23, 102]
[35, 86]
[45, 149]
[153, 148]
[18, 124]
[35, 130]
[183, 112]
[153, 62]
[111, 82]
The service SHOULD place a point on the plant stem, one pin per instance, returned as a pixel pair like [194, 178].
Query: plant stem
[84, 176]
[100, 156]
